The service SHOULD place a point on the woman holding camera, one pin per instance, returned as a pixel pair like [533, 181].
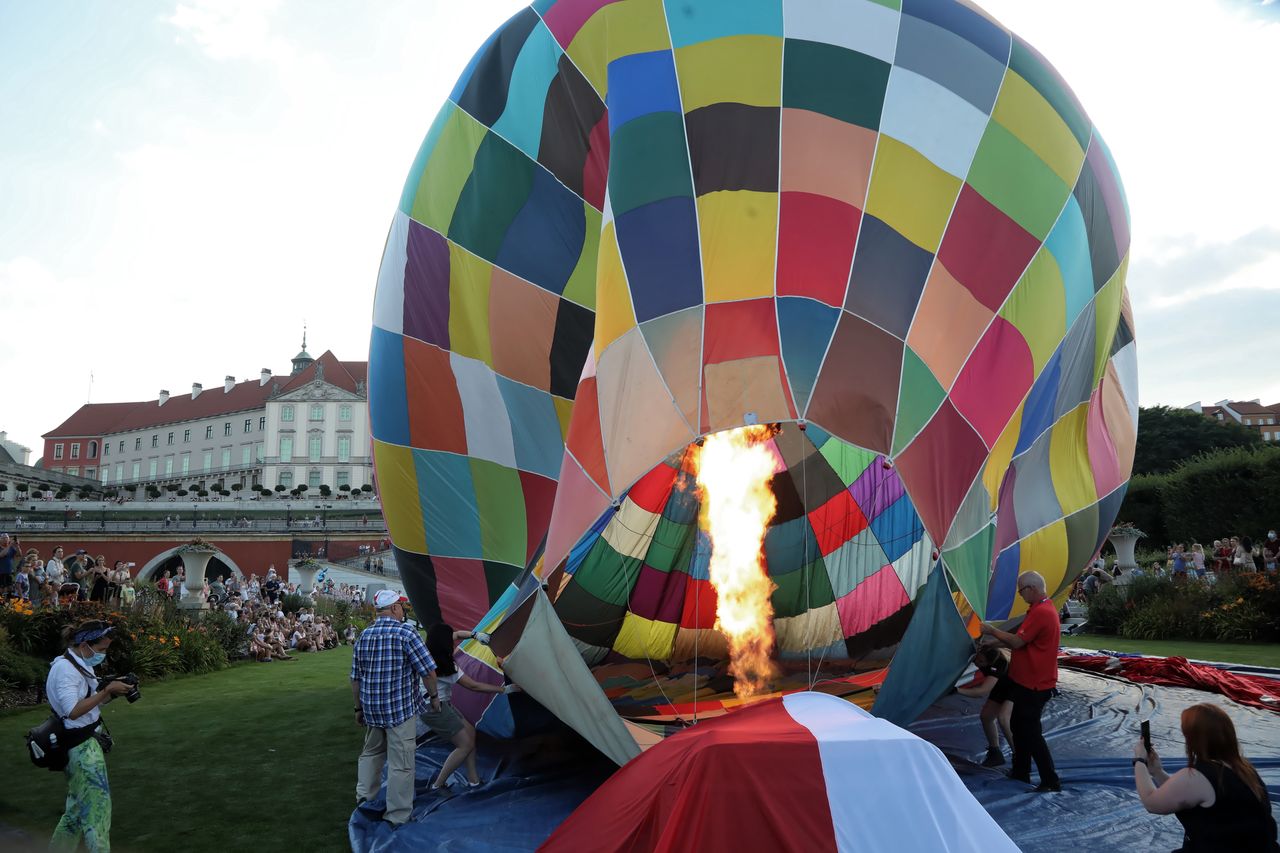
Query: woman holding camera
[1218, 797]
[75, 697]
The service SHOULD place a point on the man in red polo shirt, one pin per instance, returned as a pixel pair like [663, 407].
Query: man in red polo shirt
[1033, 672]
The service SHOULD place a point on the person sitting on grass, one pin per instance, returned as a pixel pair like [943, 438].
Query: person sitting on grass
[447, 722]
[1218, 797]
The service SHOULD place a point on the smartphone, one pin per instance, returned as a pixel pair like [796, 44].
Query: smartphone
[1146, 735]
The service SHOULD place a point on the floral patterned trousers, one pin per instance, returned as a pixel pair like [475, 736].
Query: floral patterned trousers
[88, 813]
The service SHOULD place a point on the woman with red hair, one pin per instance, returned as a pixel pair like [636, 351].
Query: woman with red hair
[1218, 797]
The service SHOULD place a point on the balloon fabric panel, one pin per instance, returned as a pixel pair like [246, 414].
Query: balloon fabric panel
[889, 228]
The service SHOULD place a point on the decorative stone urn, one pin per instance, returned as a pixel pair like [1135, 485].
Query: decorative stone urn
[307, 571]
[1124, 538]
[195, 560]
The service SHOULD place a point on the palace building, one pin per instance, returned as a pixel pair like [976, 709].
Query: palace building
[310, 426]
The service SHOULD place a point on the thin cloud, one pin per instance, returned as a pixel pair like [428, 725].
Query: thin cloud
[1249, 263]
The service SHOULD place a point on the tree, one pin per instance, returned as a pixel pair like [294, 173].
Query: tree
[172, 487]
[302, 487]
[235, 487]
[131, 488]
[37, 494]
[82, 495]
[1168, 437]
[225, 493]
[153, 492]
[22, 487]
[366, 488]
[4, 487]
[204, 493]
[280, 487]
[325, 491]
[182, 493]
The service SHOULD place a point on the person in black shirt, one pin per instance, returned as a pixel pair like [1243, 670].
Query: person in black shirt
[993, 663]
[1218, 797]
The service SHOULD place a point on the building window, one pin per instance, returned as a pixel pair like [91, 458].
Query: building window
[344, 448]
[257, 452]
[313, 447]
[208, 431]
[152, 467]
[137, 443]
[93, 449]
[226, 428]
[73, 471]
[169, 441]
[342, 478]
[286, 414]
[119, 471]
[286, 448]
[248, 424]
[106, 473]
[1266, 436]
[137, 470]
[75, 450]
[317, 412]
[121, 448]
[208, 460]
[286, 479]
[246, 454]
[313, 479]
[90, 472]
[106, 448]
[56, 470]
[57, 451]
[186, 464]
[155, 439]
[262, 423]
[186, 436]
[344, 413]
[226, 458]
[168, 465]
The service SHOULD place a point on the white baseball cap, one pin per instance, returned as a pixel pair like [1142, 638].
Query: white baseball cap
[385, 598]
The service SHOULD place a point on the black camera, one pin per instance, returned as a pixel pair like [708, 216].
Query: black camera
[128, 678]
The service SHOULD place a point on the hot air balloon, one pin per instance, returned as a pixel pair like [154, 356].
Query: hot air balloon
[883, 235]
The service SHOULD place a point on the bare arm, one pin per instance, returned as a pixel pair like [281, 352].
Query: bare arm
[479, 687]
[1004, 638]
[433, 689]
[102, 697]
[1183, 790]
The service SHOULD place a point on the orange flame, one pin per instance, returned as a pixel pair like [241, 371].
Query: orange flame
[734, 468]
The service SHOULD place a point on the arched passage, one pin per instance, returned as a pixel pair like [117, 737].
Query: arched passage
[221, 563]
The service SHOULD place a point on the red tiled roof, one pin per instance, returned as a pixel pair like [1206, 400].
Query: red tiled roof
[93, 419]
[335, 373]
[1248, 407]
[102, 418]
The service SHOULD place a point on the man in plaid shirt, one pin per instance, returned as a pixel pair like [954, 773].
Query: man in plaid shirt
[386, 663]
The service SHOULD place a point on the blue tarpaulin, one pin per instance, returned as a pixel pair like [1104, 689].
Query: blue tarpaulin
[533, 784]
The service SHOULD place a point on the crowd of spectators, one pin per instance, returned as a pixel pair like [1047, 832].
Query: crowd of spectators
[1228, 555]
[61, 580]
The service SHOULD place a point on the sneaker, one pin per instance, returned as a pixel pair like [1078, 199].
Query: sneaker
[994, 758]
[1048, 788]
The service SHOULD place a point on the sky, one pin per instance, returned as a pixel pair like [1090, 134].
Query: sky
[185, 184]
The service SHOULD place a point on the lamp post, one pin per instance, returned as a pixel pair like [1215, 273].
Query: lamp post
[66, 517]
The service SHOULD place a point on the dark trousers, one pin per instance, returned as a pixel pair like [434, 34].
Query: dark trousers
[1028, 738]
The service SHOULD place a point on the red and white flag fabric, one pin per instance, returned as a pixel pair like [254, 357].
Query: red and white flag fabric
[805, 772]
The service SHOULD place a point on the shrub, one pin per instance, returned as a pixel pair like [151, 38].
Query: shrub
[293, 602]
[200, 651]
[229, 633]
[22, 670]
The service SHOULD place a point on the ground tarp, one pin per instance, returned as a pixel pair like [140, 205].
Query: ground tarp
[1091, 727]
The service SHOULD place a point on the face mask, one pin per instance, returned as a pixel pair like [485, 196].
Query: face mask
[95, 658]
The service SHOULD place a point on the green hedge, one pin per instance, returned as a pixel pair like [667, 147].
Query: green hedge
[1229, 492]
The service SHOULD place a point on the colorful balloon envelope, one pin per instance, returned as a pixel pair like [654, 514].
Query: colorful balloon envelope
[887, 227]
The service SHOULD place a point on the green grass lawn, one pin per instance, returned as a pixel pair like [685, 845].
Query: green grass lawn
[1256, 654]
[256, 757]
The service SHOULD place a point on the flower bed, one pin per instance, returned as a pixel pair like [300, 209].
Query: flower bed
[1243, 607]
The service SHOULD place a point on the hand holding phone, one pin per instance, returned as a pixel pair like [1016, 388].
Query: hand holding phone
[1146, 735]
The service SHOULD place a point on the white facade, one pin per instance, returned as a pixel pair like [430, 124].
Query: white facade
[227, 447]
[318, 435]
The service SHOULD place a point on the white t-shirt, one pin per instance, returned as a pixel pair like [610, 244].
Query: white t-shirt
[444, 684]
[54, 571]
[66, 686]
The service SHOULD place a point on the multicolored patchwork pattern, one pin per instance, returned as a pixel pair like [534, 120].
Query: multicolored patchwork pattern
[637, 222]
